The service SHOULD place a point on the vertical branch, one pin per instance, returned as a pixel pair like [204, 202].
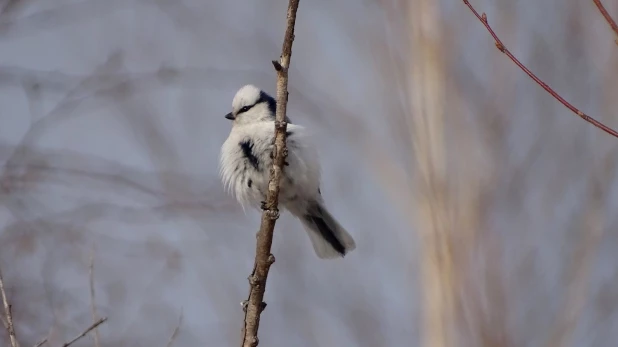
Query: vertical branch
[263, 258]
[9, 315]
[426, 76]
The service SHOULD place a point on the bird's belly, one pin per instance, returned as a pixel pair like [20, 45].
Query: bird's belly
[250, 184]
[289, 191]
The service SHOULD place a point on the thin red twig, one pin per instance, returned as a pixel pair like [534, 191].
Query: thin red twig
[503, 49]
[605, 14]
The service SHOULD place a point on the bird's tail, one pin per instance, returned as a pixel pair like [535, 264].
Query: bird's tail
[328, 237]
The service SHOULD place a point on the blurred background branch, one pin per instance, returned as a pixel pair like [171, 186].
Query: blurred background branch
[8, 315]
[503, 49]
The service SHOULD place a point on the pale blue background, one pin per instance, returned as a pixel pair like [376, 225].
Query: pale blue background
[111, 120]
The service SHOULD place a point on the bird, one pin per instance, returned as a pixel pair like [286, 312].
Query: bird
[246, 159]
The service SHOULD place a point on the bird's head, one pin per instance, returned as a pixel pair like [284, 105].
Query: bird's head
[251, 105]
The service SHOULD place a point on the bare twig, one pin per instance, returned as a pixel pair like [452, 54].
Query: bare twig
[263, 258]
[176, 330]
[44, 340]
[93, 326]
[607, 17]
[503, 49]
[9, 314]
[93, 305]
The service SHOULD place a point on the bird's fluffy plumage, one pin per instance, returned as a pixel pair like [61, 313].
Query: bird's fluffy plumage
[245, 164]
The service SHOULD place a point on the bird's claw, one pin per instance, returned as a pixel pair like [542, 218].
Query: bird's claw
[273, 214]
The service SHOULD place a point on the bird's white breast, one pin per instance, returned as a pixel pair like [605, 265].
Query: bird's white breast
[247, 178]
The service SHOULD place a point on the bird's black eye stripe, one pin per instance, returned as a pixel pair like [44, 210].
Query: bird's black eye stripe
[245, 109]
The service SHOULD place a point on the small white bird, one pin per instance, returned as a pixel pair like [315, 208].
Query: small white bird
[246, 159]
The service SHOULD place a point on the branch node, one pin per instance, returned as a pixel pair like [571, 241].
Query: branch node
[244, 305]
[280, 125]
[484, 17]
[500, 46]
[277, 66]
[262, 306]
[271, 259]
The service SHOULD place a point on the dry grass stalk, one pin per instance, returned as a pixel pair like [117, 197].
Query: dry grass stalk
[427, 133]
[263, 258]
[585, 254]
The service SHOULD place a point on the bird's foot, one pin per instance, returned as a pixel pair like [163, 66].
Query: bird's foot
[273, 213]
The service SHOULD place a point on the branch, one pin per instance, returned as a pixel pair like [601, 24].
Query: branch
[9, 315]
[93, 326]
[93, 305]
[254, 305]
[503, 49]
[608, 18]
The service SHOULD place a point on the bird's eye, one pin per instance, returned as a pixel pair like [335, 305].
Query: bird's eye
[244, 109]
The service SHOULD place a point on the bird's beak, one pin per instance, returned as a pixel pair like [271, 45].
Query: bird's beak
[230, 116]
